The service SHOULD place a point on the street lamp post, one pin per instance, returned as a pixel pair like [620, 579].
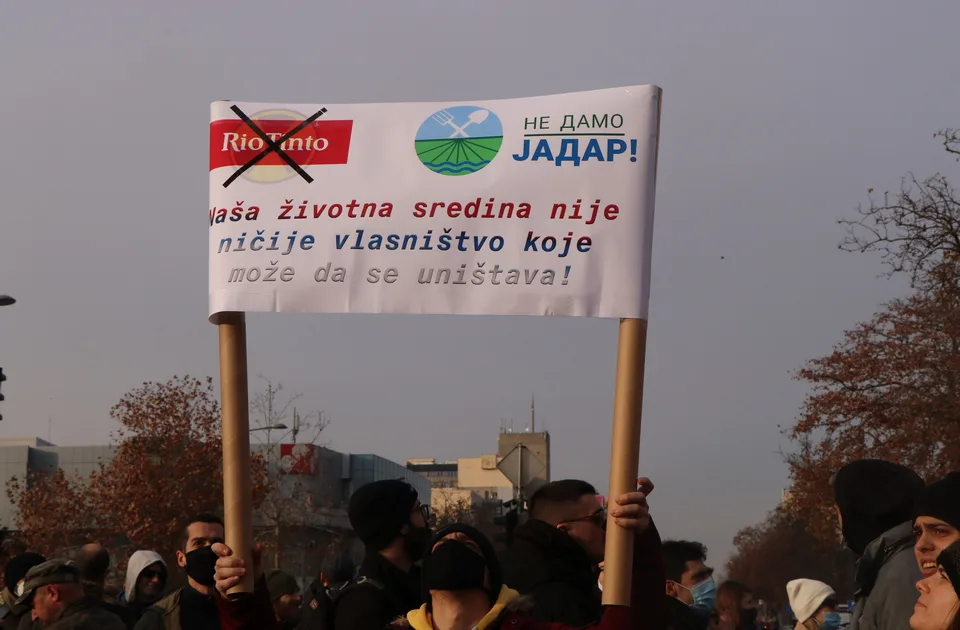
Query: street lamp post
[6, 300]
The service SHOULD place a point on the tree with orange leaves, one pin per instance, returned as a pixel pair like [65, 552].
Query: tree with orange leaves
[891, 388]
[780, 549]
[167, 466]
[54, 511]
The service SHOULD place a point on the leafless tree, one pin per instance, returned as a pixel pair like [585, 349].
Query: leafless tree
[914, 228]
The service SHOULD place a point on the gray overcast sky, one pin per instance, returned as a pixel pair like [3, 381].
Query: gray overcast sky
[778, 117]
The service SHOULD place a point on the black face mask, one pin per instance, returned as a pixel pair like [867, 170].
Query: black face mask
[201, 566]
[454, 567]
[415, 542]
[748, 618]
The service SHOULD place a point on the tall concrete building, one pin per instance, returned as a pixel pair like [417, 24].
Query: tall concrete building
[525, 455]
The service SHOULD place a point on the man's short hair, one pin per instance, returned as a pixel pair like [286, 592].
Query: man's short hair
[93, 561]
[209, 519]
[676, 555]
[544, 502]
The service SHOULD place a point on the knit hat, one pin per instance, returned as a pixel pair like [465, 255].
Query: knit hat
[280, 583]
[874, 496]
[18, 566]
[807, 596]
[941, 500]
[486, 548]
[380, 509]
[949, 559]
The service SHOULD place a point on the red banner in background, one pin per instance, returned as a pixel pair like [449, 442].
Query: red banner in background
[298, 459]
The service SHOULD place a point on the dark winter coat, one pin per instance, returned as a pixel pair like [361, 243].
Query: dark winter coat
[548, 565]
[370, 607]
[683, 617]
[553, 569]
[86, 613]
[184, 609]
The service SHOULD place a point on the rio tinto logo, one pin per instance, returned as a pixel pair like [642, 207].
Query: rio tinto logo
[233, 143]
[298, 459]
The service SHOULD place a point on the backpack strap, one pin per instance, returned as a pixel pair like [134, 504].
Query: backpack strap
[361, 582]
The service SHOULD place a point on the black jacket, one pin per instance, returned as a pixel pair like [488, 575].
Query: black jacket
[87, 613]
[316, 611]
[548, 565]
[683, 617]
[367, 607]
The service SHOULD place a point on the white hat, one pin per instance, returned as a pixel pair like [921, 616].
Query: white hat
[806, 597]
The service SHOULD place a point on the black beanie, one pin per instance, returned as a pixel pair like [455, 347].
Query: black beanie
[874, 496]
[941, 500]
[949, 559]
[380, 509]
[486, 548]
[18, 566]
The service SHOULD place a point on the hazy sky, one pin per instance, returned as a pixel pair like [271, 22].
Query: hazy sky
[777, 118]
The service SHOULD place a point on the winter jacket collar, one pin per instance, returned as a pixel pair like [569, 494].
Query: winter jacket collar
[508, 601]
[878, 553]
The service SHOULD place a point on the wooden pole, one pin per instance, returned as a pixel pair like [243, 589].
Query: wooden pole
[625, 445]
[237, 508]
[624, 457]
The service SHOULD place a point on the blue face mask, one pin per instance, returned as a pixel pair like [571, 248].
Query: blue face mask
[704, 595]
[831, 621]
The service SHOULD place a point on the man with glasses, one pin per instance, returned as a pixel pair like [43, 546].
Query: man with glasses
[555, 554]
[145, 582]
[389, 519]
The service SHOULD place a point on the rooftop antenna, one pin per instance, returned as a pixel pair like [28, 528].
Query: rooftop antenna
[533, 416]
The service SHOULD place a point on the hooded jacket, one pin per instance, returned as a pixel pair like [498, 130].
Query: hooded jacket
[886, 579]
[139, 561]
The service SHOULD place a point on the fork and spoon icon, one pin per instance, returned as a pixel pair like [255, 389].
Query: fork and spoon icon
[445, 118]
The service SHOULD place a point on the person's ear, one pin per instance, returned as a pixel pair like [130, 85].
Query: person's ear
[181, 558]
[672, 590]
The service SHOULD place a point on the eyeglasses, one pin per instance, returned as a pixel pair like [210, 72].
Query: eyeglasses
[425, 513]
[152, 574]
[598, 518]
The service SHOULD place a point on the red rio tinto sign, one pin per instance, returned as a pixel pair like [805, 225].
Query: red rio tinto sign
[298, 459]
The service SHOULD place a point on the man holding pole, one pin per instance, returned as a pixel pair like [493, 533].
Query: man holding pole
[555, 553]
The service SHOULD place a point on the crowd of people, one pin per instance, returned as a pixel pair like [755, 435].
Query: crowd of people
[906, 535]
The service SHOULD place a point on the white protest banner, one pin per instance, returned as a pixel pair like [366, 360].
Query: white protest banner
[530, 206]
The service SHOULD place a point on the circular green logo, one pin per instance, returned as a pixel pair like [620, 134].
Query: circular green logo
[459, 140]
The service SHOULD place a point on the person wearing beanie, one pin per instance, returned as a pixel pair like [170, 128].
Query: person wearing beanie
[285, 595]
[937, 523]
[392, 523]
[875, 501]
[13, 577]
[938, 604]
[814, 604]
[463, 588]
